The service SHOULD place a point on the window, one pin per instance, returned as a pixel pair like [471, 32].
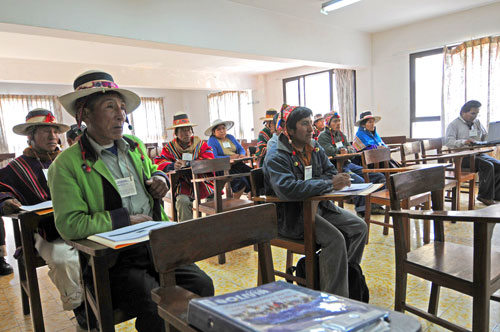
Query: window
[426, 76]
[147, 121]
[13, 111]
[442, 80]
[323, 92]
[233, 106]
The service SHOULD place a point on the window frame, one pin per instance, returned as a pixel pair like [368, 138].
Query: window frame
[413, 117]
[303, 95]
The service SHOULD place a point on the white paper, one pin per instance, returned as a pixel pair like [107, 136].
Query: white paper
[36, 207]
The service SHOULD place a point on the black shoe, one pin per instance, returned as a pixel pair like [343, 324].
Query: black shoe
[5, 268]
[81, 317]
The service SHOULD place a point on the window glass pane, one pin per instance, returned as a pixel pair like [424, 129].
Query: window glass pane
[292, 92]
[428, 83]
[317, 92]
[426, 129]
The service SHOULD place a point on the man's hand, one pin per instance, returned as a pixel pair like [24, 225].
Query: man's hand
[157, 186]
[138, 218]
[11, 206]
[470, 141]
[341, 180]
[179, 164]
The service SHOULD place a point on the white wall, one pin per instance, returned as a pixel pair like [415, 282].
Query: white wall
[389, 79]
[208, 26]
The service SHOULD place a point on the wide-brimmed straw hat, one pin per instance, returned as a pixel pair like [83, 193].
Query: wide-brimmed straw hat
[181, 120]
[318, 117]
[365, 116]
[228, 124]
[269, 115]
[39, 117]
[95, 81]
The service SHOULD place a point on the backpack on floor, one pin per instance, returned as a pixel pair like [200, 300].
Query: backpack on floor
[358, 289]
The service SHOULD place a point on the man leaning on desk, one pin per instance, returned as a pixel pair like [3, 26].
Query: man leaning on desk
[105, 182]
[466, 130]
[297, 168]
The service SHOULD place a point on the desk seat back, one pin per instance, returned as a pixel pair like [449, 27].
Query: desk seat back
[198, 239]
[210, 165]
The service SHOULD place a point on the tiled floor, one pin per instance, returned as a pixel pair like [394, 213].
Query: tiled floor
[240, 272]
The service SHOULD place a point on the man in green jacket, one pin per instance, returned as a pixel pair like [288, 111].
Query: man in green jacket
[105, 182]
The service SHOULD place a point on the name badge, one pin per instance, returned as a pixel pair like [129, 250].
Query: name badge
[126, 186]
[339, 145]
[473, 133]
[226, 144]
[46, 173]
[308, 172]
[187, 156]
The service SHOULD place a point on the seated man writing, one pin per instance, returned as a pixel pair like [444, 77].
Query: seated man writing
[298, 168]
[106, 182]
[179, 153]
[465, 130]
[24, 181]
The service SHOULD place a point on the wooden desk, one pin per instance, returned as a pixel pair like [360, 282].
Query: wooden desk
[98, 295]
[480, 273]
[310, 206]
[251, 159]
[24, 225]
[340, 159]
[406, 168]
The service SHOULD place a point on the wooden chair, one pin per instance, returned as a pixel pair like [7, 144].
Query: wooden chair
[306, 247]
[415, 150]
[153, 150]
[392, 140]
[456, 172]
[175, 246]
[199, 170]
[174, 179]
[474, 271]
[372, 161]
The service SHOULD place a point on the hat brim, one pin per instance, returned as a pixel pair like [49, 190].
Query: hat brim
[183, 125]
[22, 129]
[376, 117]
[132, 100]
[229, 125]
[263, 118]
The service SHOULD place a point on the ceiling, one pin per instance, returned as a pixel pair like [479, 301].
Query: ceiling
[368, 15]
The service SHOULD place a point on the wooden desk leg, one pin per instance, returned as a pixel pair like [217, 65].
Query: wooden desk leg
[311, 259]
[32, 279]
[105, 315]
[481, 273]
[21, 268]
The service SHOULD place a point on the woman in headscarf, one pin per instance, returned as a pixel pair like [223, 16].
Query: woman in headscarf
[225, 145]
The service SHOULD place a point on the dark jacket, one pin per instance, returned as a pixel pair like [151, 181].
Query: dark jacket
[284, 177]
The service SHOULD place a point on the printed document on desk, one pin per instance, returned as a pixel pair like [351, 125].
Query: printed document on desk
[40, 206]
[281, 306]
[128, 235]
[357, 189]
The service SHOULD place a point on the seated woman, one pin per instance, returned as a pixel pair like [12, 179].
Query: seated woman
[225, 145]
[367, 137]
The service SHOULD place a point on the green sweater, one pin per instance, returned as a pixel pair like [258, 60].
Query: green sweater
[328, 138]
[89, 203]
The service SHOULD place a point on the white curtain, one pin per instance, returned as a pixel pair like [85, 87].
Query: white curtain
[344, 88]
[13, 111]
[148, 121]
[472, 71]
[233, 106]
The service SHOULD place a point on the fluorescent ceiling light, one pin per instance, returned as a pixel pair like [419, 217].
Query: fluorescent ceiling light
[335, 4]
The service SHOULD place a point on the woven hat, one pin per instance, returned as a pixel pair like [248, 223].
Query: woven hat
[365, 116]
[330, 116]
[269, 115]
[228, 124]
[181, 120]
[95, 81]
[39, 117]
